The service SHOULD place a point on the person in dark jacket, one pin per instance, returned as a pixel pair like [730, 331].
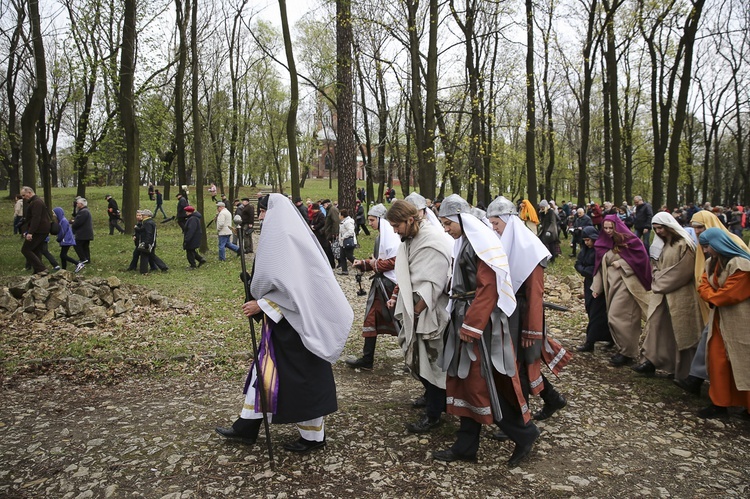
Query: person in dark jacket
[642, 220]
[581, 220]
[35, 229]
[148, 238]
[596, 308]
[317, 224]
[65, 239]
[137, 231]
[113, 212]
[192, 237]
[302, 209]
[359, 219]
[182, 202]
[160, 204]
[83, 230]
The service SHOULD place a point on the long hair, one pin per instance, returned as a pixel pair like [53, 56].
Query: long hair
[400, 212]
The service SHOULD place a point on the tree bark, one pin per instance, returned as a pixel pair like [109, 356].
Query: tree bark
[130, 187]
[291, 122]
[35, 106]
[346, 149]
[197, 124]
[530, 106]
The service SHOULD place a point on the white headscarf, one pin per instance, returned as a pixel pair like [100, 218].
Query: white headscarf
[293, 280]
[664, 218]
[389, 243]
[491, 251]
[525, 250]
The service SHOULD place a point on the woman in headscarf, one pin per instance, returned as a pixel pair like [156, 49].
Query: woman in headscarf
[378, 318]
[674, 323]
[726, 287]
[482, 385]
[303, 332]
[422, 270]
[596, 307]
[527, 259]
[527, 213]
[700, 221]
[548, 229]
[622, 272]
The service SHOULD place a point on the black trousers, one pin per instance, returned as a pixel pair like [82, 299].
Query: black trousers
[434, 398]
[64, 258]
[114, 223]
[150, 260]
[32, 250]
[193, 256]
[134, 261]
[83, 251]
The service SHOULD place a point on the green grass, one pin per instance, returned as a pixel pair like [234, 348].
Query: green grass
[214, 325]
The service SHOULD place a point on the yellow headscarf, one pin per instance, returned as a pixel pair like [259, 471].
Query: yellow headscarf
[528, 213]
[708, 220]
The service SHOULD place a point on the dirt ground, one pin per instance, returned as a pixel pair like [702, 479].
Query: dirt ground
[153, 436]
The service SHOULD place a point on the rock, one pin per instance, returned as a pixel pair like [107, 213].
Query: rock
[680, 452]
[113, 282]
[77, 304]
[18, 289]
[105, 295]
[7, 301]
[40, 294]
[56, 299]
[120, 294]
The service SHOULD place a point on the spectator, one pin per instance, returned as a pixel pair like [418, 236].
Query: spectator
[160, 204]
[66, 239]
[151, 192]
[347, 241]
[192, 237]
[581, 220]
[83, 230]
[212, 192]
[113, 212]
[317, 224]
[597, 328]
[224, 231]
[359, 218]
[182, 202]
[17, 214]
[302, 208]
[35, 229]
[137, 232]
[595, 213]
[642, 220]
[147, 245]
[548, 229]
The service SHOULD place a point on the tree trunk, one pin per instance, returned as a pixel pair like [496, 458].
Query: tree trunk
[130, 187]
[197, 124]
[610, 56]
[35, 105]
[346, 149]
[183, 17]
[291, 122]
[530, 106]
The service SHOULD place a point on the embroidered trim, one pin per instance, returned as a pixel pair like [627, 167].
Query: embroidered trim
[524, 408]
[472, 329]
[557, 358]
[533, 334]
[368, 329]
[310, 428]
[482, 411]
[248, 407]
[537, 382]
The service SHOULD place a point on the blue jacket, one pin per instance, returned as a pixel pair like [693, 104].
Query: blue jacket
[65, 237]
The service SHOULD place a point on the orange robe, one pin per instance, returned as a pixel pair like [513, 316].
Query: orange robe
[723, 389]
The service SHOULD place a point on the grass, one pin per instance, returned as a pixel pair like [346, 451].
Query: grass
[214, 325]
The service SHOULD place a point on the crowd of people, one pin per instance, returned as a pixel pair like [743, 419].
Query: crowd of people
[462, 289]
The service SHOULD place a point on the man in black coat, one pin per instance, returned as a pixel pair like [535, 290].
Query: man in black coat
[113, 211]
[642, 220]
[147, 234]
[192, 237]
[302, 209]
[35, 229]
[581, 220]
[83, 230]
[181, 216]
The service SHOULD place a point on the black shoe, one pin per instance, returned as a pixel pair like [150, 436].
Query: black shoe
[552, 404]
[424, 425]
[360, 363]
[500, 436]
[201, 262]
[303, 446]
[619, 360]
[521, 452]
[449, 456]
[646, 368]
[419, 402]
[712, 412]
[691, 384]
[586, 347]
[231, 434]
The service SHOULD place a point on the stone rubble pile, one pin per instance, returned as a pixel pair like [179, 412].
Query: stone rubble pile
[83, 302]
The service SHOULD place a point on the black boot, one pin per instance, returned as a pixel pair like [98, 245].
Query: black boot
[242, 430]
[368, 355]
[553, 402]
[691, 384]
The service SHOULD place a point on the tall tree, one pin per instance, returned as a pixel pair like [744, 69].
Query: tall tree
[291, 123]
[130, 184]
[346, 149]
[610, 56]
[197, 125]
[182, 19]
[530, 105]
[11, 146]
[35, 106]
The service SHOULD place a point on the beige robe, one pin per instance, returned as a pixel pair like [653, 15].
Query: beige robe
[627, 302]
[423, 266]
[674, 322]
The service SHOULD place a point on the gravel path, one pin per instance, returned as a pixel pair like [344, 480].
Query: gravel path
[621, 435]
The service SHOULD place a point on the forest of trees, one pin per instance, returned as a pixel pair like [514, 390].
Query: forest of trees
[555, 99]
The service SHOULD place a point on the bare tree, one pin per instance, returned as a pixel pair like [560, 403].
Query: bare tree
[126, 102]
[35, 105]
